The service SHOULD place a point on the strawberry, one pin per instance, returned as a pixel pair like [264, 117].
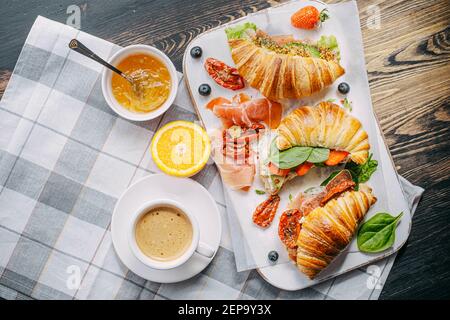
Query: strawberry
[308, 18]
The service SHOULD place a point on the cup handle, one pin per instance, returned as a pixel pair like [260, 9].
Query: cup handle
[204, 250]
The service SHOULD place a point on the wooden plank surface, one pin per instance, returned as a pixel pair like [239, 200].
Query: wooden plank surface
[408, 62]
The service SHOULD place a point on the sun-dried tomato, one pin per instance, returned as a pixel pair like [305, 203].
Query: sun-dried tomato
[226, 76]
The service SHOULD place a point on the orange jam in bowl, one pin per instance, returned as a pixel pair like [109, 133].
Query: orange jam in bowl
[154, 78]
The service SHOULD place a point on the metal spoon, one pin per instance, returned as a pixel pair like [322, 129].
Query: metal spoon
[136, 85]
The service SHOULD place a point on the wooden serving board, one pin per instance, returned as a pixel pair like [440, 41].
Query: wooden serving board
[344, 24]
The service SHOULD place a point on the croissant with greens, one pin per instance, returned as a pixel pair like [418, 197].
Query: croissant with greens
[281, 67]
[326, 125]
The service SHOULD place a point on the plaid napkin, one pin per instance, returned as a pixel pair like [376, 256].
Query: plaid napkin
[65, 157]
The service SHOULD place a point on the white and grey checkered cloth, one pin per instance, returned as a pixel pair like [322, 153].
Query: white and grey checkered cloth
[65, 157]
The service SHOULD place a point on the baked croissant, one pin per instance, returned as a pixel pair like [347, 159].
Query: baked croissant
[324, 125]
[279, 75]
[327, 230]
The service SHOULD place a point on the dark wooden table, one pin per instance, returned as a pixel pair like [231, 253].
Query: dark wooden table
[408, 62]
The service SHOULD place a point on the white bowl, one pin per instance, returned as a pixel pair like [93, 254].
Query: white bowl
[107, 88]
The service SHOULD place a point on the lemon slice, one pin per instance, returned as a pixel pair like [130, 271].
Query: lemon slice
[180, 148]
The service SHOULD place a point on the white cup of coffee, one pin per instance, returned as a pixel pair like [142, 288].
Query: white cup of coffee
[163, 234]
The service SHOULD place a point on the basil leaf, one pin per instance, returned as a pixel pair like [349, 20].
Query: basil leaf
[259, 191]
[291, 158]
[378, 233]
[319, 155]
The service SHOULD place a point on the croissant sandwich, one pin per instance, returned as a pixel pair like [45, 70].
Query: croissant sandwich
[281, 66]
[324, 135]
[319, 224]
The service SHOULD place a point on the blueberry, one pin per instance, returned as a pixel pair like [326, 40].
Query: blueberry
[204, 89]
[343, 87]
[273, 256]
[196, 52]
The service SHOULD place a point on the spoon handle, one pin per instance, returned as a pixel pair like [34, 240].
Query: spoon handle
[77, 46]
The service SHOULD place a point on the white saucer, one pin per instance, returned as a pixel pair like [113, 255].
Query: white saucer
[186, 191]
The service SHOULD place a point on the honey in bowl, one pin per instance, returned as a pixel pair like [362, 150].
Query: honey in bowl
[154, 83]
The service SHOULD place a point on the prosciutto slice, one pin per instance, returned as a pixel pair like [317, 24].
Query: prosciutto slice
[246, 113]
[234, 158]
[307, 202]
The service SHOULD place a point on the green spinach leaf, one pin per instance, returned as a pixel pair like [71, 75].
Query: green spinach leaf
[367, 169]
[291, 157]
[378, 233]
[319, 155]
[295, 156]
[362, 173]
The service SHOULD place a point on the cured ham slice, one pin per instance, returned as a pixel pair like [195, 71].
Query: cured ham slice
[237, 176]
[307, 202]
[246, 113]
[234, 158]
